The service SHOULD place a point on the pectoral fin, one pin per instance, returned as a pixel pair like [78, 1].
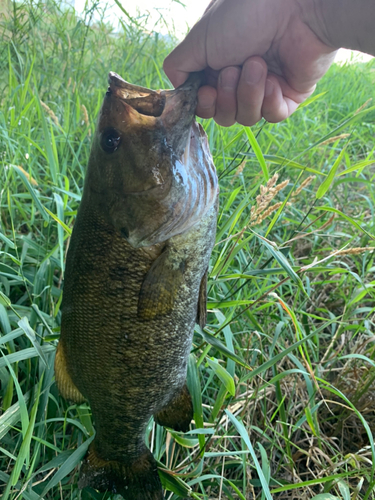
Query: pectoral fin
[202, 302]
[160, 288]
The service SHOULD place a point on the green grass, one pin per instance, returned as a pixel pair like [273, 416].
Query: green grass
[283, 375]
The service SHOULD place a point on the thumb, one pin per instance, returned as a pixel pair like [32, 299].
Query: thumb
[188, 56]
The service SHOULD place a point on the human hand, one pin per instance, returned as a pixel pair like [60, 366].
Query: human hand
[261, 59]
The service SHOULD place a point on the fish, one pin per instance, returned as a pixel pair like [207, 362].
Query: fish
[136, 279]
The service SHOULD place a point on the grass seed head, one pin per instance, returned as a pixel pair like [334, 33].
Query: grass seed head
[268, 212]
[238, 171]
[334, 139]
[262, 209]
[281, 186]
[272, 181]
[86, 120]
[353, 251]
[364, 105]
[85, 115]
[304, 184]
[50, 113]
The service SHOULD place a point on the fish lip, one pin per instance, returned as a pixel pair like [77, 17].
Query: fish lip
[155, 102]
[145, 101]
[194, 81]
[116, 80]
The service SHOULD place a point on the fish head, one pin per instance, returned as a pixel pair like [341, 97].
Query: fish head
[150, 170]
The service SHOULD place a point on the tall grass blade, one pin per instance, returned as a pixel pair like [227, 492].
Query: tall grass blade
[258, 152]
[323, 188]
[347, 218]
[223, 375]
[193, 383]
[244, 435]
[70, 463]
[280, 257]
[217, 344]
[25, 448]
[32, 192]
[23, 323]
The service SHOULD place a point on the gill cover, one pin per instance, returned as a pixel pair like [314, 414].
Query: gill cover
[150, 169]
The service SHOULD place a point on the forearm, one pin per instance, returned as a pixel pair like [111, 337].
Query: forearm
[342, 23]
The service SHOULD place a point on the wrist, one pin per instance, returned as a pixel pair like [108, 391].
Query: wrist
[341, 23]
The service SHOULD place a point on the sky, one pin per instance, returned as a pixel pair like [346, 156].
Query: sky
[174, 11]
[183, 14]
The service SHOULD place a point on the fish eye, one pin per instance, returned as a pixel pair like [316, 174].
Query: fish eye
[110, 140]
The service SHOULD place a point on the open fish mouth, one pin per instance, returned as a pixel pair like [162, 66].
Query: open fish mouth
[152, 102]
[145, 101]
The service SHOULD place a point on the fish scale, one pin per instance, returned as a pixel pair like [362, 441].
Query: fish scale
[132, 294]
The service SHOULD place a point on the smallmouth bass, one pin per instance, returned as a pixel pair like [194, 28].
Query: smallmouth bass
[136, 276]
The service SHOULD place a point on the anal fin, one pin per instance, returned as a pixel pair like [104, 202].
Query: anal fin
[65, 384]
[178, 413]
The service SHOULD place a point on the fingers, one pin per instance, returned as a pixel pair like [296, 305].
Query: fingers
[239, 94]
[280, 99]
[274, 108]
[219, 97]
[250, 92]
[206, 107]
[247, 94]
[226, 101]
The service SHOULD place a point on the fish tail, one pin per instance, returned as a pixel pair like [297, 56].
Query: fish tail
[137, 480]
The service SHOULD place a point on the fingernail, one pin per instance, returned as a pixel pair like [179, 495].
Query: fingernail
[253, 72]
[269, 88]
[228, 79]
[206, 101]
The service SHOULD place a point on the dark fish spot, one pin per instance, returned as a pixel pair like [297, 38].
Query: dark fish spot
[124, 232]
